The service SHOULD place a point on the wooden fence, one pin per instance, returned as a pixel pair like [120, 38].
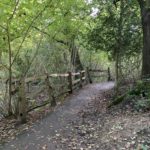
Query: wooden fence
[106, 73]
[74, 80]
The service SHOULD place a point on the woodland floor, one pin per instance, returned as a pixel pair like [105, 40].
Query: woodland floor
[83, 122]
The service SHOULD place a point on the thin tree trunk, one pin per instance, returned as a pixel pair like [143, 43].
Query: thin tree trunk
[117, 73]
[10, 71]
[75, 57]
[78, 63]
[119, 46]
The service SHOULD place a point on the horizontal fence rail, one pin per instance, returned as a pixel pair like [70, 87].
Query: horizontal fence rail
[103, 73]
[22, 88]
[27, 89]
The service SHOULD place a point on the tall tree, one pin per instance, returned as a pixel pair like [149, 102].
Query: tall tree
[145, 17]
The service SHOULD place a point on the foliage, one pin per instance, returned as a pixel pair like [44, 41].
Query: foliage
[37, 37]
[142, 105]
[104, 35]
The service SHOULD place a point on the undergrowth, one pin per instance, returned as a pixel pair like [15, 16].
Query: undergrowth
[140, 96]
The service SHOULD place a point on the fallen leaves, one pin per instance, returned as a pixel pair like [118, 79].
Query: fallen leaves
[104, 129]
[95, 128]
[9, 128]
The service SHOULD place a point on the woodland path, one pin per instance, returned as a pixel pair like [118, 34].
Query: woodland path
[40, 136]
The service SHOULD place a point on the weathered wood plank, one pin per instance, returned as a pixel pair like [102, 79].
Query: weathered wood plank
[98, 70]
[76, 74]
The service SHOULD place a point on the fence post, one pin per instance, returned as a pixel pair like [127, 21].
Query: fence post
[109, 75]
[81, 79]
[23, 104]
[70, 82]
[50, 92]
[88, 75]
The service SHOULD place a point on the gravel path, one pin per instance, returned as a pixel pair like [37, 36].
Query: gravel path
[40, 136]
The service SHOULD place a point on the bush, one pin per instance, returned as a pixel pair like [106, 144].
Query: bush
[141, 94]
[142, 105]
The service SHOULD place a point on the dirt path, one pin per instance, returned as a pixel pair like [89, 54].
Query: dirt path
[43, 134]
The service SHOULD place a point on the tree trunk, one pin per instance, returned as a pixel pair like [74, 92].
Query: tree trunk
[75, 57]
[119, 46]
[78, 64]
[146, 42]
[10, 71]
[117, 72]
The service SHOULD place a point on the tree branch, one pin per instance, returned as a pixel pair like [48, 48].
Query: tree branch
[59, 41]
[14, 11]
[40, 30]
[27, 31]
[3, 27]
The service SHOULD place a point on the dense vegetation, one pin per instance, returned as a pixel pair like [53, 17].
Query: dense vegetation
[41, 37]
[49, 48]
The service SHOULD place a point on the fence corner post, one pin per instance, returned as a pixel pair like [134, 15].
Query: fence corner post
[88, 75]
[81, 79]
[70, 82]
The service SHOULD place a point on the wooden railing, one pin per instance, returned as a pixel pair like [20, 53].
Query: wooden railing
[106, 73]
[73, 80]
[22, 86]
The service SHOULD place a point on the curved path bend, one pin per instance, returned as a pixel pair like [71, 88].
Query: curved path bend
[42, 132]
